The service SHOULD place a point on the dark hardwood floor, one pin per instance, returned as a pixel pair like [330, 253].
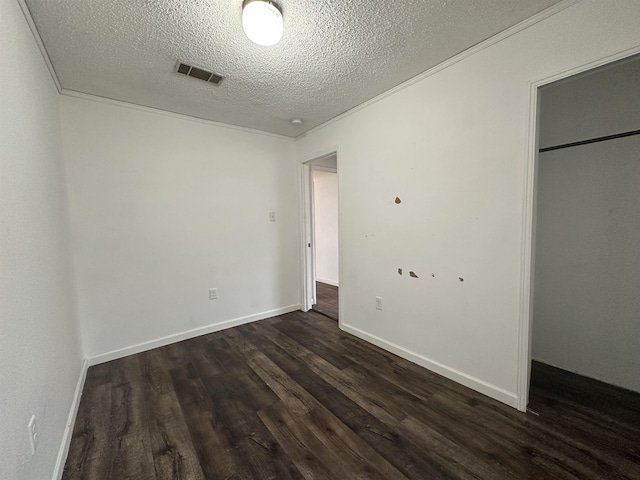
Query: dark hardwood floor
[327, 300]
[294, 397]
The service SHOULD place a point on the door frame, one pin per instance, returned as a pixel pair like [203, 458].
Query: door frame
[527, 269]
[307, 234]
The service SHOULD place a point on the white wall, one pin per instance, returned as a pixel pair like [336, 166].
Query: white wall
[325, 199]
[164, 208]
[40, 358]
[453, 148]
[587, 293]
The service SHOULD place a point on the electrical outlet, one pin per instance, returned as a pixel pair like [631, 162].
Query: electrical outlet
[272, 216]
[378, 303]
[33, 434]
[213, 294]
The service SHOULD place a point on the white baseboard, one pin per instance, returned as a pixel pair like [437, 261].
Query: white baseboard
[327, 281]
[178, 337]
[141, 347]
[476, 384]
[71, 420]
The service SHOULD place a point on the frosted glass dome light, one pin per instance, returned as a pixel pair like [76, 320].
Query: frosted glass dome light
[262, 22]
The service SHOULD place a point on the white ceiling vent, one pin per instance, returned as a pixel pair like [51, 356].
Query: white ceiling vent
[199, 73]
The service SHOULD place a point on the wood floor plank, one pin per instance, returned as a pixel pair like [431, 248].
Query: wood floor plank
[337, 436]
[293, 397]
[155, 372]
[98, 375]
[405, 456]
[287, 390]
[209, 435]
[130, 448]
[308, 464]
[479, 435]
[173, 453]
[371, 399]
[298, 402]
[406, 375]
[327, 300]
[298, 333]
[468, 466]
[616, 406]
[89, 452]
[245, 381]
[254, 444]
[332, 455]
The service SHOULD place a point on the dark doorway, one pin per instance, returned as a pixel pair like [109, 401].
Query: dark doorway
[327, 300]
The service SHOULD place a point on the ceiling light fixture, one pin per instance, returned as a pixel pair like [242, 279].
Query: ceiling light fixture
[262, 22]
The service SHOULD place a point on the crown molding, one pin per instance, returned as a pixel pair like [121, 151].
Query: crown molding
[538, 17]
[38, 39]
[159, 111]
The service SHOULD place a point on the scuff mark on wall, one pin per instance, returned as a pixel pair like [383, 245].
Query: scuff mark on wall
[461, 279]
[399, 271]
[398, 200]
[412, 274]
[433, 275]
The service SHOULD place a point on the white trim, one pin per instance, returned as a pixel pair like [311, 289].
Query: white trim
[327, 281]
[318, 168]
[527, 251]
[457, 376]
[341, 301]
[36, 36]
[302, 235]
[159, 111]
[441, 66]
[178, 337]
[528, 225]
[305, 209]
[538, 17]
[58, 470]
[313, 251]
[308, 237]
[320, 154]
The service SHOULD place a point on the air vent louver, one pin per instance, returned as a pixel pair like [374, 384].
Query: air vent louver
[199, 73]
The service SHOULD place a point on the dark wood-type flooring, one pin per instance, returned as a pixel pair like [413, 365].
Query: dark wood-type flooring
[327, 300]
[293, 397]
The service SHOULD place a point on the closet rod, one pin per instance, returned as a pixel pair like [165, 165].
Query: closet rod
[593, 140]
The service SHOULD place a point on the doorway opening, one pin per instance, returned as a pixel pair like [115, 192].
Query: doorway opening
[584, 331]
[321, 219]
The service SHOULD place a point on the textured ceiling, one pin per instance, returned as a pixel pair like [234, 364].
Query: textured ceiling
[334, 55]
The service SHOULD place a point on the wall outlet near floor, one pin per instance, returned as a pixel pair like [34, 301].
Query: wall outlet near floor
[378, 303]
[213, 294]
[33, 434]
